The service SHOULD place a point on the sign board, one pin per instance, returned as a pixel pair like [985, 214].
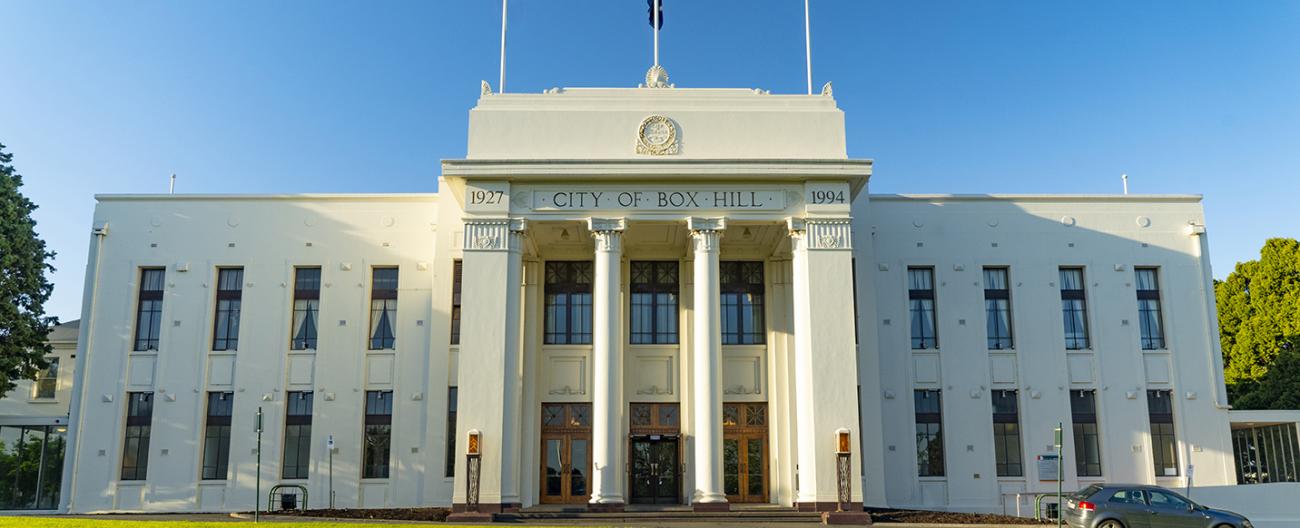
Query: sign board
[1047, 468]
[329, 442]
[663, 199]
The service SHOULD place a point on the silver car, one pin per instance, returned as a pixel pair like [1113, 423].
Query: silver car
[1141, 506]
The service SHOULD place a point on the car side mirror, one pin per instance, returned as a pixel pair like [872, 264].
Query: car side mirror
[1191, 507]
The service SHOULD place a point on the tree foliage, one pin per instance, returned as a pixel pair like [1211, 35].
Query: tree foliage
[1259, 328]
[23, 285]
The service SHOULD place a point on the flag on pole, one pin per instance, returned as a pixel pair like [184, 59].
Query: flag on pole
[650, 10]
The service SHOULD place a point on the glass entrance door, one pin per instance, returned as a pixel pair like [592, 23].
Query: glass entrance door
[566, 453]
[655, 470]
[744, 452]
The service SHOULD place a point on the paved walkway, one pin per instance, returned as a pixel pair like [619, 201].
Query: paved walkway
[241, 518]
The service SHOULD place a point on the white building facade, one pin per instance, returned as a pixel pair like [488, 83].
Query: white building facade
[644, 296]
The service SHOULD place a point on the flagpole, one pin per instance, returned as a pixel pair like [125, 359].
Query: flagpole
[807, 40]
[656, 24]
[501, 84]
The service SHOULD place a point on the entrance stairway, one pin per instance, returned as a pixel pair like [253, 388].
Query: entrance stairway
[636, 514]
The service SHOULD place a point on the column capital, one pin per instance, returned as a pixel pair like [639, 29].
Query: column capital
[697, 224]
[494, 234]
[599, 225]
[821, 232]
[608, 233]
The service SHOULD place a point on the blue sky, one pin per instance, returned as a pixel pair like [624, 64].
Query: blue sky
[993, 96]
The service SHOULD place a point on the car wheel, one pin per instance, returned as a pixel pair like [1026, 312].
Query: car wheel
[1110, 523]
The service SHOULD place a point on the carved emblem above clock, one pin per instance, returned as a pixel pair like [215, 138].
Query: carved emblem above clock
[657, 136]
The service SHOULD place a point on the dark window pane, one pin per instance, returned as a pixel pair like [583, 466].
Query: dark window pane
[306, 309]
[920, 295]
[741, 294]
[929, 433]
[383, 309]
[567, 310]
[149, 309]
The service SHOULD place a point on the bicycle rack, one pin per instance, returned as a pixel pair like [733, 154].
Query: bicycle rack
[270, 497]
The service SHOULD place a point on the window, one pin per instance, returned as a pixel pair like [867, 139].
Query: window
[148, 314]
[920, 296]
[568, 303]
[1164, 446]
[1166, 500]
[306, 308]
[654, 303]
[383, 308]
[1006, 434]
[1148, 297]
[230, 287]
[1074, 309]
[741, 289]
[216, 436]
[929, 433]
[297, 435]
[449, 465]
[1128, 496]
[135, 447]
[47, 380]
[1087, 452]
[997, 309]
[457, 271]
[379, 432]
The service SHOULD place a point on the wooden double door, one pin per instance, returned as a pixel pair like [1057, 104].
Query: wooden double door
[566, 453]
[744, 452]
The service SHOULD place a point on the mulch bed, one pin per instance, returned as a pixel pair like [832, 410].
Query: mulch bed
[888, 515]
[395, 514]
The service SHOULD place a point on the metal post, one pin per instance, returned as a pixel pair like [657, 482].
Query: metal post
[656, 24]
[501, 86]
[257, 494]
[807, 41]
[329, 447]
[1060, 473]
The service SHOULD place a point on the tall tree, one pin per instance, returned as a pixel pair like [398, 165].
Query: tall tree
[23, 285]
[1259, 327]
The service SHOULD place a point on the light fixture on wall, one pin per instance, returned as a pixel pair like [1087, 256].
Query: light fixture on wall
[564, 234]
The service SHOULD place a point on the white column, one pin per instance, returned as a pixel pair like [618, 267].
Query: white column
[607, 364]
[490, 382]
[707, 350]
[826, 377]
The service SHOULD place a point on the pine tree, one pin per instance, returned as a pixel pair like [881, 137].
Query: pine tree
[1259, 328]
[24, 289]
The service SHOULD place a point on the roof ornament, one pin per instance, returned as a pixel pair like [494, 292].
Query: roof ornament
[657, 77]
[486, 88]
[826, 89]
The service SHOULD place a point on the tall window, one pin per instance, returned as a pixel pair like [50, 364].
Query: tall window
[230, 288]
[1148, 294]
[997, 309]
[379, 432]
[1074, 309]
[920, 296]
[306, 308]
[741, 288]
[135, 447]
[216, 436]
[449, 463]
[1164, 446]
[1006, 434]
[383, 308]
[297, 435]
[654, 303]
[929, 433]
[47, 381]
[148, 313]
[457, 272]
[568, 303]
[1087, 452]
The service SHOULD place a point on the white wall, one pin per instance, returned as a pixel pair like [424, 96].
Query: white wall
[1266, 505]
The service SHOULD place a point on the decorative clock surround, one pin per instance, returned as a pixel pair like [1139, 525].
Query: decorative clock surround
[657, 136]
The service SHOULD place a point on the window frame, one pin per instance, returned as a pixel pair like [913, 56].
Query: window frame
[995, 295]
[306, 295]
[930, 468]
[139, 422]
[915, 295]
[46, 385]
[653, 291]
[449, 462]
[296, 422]
[569, 286]
[229, 340]
[457, 285]
[1164, 434]
[1002, 439]
[1149, 341]
[750, 299]
[387, 309]
[1083, 439]
[220, 424]
[150, 342]
[382, 424]
[1080, 295]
